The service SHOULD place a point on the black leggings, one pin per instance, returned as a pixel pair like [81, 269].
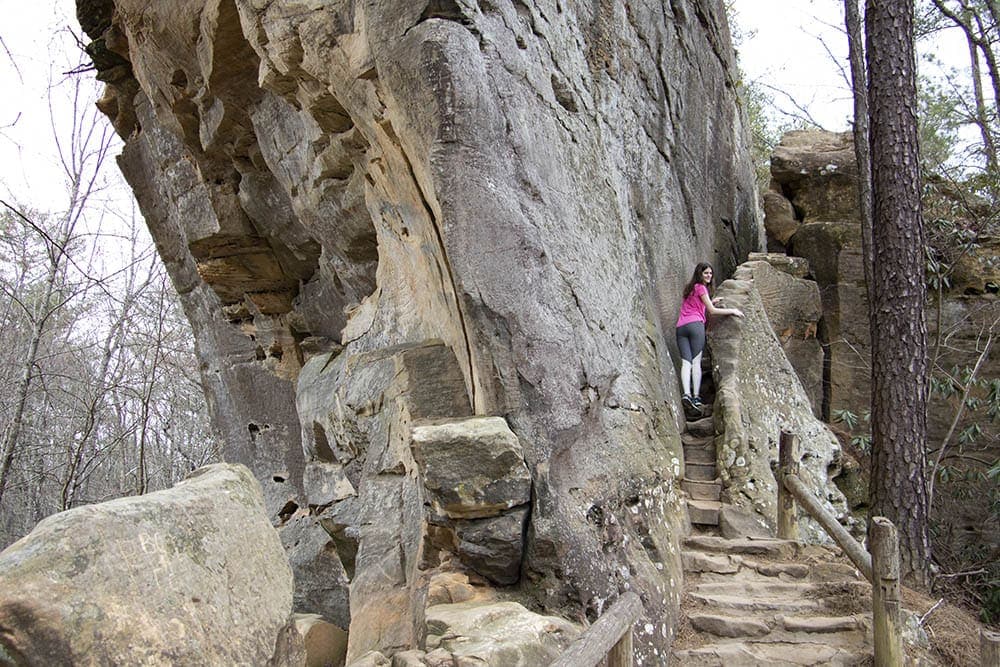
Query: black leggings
[691, 340]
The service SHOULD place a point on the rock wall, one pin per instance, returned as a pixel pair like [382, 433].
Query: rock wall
[760, 394]
[812, 213]
[516, 189]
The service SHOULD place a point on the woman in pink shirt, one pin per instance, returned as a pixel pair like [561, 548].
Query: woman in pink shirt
[691, 332]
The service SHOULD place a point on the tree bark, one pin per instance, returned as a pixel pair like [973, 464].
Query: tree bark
[898, 331]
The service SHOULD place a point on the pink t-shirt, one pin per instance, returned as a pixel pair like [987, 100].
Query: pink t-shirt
[692, 308]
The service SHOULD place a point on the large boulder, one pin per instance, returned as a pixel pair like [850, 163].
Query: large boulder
[817, 172]
[794, 310]
[472, 468]
[759, 395]
[497, 633]
[191, 575]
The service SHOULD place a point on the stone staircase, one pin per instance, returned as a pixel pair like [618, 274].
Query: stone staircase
[760, 601]
[771, 602]
[701, 479]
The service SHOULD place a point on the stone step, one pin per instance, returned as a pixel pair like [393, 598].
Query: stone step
[701, 428]
[739, 602]
[690, 440]
[783, 628]
[701, 490]
[699, 454]
[823, 624]
[704, 472]
[704, 512]
[783, 570]
[752, 547]
[729, 626]
[772, 654]
[835, 572]
[699, 561]
[760, 588]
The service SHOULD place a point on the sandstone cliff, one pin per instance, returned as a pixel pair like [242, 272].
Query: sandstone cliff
[380, 214]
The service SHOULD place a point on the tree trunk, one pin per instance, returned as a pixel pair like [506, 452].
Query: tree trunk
[898, 331]
[862, 152]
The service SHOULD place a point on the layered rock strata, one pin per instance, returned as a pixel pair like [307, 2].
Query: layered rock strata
[338, 188]
[812, 213]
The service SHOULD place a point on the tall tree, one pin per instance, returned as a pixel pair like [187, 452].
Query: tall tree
[898, 331]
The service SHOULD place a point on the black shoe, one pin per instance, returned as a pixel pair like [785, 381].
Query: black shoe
[696, 401]
[691, 411]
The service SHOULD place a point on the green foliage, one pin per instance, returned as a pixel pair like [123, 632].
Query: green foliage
[860, 439]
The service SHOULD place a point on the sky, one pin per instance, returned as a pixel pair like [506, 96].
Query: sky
[790, 45]
[784, 44]
[799, 47]
[37, 51]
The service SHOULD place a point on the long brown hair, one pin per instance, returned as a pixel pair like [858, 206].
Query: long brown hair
[696, 278]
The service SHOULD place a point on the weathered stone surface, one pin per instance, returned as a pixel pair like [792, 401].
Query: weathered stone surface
[326, 483]
[830, 239]
[780, 222]
[833, 250]
[359, 408]
[794, 310]
[977, 272]
[472, 468]
[448, 587]
[736, 524]
[527, 183]
[194, 574]
[498, 633]
[321, 584]
[289, 648]
[818, 173]
[325, 643]
[493, 547]
[796, 267]
[758, 396]
[728, 626]
[371, 659]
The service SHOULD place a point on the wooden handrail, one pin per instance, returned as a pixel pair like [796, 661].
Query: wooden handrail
[609, 637]
[788, 517]
[861, 558]
[881, 568]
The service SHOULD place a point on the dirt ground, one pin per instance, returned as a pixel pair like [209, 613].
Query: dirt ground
[953, 631]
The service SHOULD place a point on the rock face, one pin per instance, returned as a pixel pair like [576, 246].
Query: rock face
[191, 575]
[816, 175]
[794, 310]
[339, 188]
[758, 396]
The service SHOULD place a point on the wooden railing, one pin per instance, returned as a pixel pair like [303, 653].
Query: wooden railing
[881, 568]
[609, 637]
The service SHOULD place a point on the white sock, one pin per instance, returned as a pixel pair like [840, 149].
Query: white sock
[686, 377]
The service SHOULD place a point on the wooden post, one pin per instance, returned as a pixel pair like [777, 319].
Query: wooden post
[884, 544]
[621, 653]
[788, 464]
[989, 648]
